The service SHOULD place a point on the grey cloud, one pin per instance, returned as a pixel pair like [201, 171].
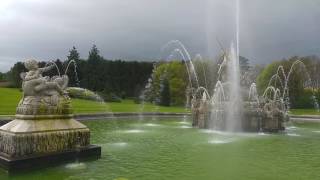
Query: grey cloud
[137, 29]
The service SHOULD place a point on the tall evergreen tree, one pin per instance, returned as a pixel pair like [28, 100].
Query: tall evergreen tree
[94, 54]
[73, 54]
[95, 70]
[113, 77]
[74, 79]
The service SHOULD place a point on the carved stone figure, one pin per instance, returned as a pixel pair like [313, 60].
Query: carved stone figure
[44, 121]
[43, 95]
[34, 84]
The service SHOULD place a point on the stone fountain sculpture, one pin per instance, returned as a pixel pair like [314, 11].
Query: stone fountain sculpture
[227, 108]
[43, 129]
[268, 116]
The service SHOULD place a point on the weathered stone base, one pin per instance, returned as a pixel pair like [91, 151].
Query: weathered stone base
[25, 144]
[249, 120]
[45, 160]
[21, 138]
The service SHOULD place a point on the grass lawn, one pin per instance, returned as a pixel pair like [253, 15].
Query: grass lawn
[9, 98]
[304, 112]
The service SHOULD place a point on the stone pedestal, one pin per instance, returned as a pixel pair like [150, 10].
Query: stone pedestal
[43, 134]
[28, 137]
[43, 131]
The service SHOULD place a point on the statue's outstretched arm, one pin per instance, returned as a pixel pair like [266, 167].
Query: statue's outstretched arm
[45, 69]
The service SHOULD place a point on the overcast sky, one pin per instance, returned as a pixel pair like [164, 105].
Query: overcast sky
[137, 29]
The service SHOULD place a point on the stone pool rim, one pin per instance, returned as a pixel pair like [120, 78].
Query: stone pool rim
[94, 116]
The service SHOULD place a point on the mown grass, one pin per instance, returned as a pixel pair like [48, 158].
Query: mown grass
[9, 98]
[304, 112]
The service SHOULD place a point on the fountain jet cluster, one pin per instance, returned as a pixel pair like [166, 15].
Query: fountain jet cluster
[229, 106]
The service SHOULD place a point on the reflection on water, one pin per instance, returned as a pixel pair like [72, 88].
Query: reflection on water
[133, 131]
[76, 165]
[184, 122]
[293, 134]
[291, 128]
[185, 127]
[220, 141]
[118, 144]
[151, 124]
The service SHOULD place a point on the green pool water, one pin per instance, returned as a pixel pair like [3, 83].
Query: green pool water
[170, 149]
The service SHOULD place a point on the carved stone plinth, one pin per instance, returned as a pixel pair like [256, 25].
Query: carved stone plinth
[37, 137]
[29, 137]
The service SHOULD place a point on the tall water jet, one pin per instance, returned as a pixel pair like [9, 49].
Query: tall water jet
[55, 65]
[202, 63]
[227, 110]
[74, 70]
[182, 50]
[233, 119]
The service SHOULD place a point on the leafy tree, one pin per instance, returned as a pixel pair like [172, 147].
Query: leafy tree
[2, 76]
[207, 72]
[265, 76]
[296, 82]
[178, 80]
[165, 98]
[117, 78]
[14, 74]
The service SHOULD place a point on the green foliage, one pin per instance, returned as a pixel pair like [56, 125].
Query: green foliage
[9, 99]
[114, 78]
[109, 96]
[265, 75]
[2, 76]
[14, 74]
[206, 72]
[72, 71]
[176, 74]
[305, 112]
[165, 98]
[120, 78]
[94, 55]
[94, 70]
[305, 100]
[298, 80]
[73, 54]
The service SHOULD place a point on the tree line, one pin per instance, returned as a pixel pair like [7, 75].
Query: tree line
[165, 83]
[107, 77]
[3, 76]
[303, 83]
